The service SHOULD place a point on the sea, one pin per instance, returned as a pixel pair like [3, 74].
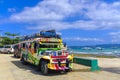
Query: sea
[108, 51]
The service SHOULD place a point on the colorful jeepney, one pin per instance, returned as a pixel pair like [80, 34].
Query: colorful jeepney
[47, 54]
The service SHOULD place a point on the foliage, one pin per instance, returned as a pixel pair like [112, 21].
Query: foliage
[11, 34]
[6, 40]
[10, 38]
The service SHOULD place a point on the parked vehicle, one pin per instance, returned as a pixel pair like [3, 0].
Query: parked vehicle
[47, 54]
[1, 49]
[8, 49]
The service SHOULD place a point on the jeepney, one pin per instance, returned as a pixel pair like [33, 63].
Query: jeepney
[47, 54]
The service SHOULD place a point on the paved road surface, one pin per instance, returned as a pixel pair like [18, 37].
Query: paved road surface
[12, 69]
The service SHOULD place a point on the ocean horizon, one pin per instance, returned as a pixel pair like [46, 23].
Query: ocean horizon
[113, 51]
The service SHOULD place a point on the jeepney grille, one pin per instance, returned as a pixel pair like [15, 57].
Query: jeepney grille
[59, 60]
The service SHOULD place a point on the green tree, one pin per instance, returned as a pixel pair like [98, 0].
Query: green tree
[6, 40]
[13, 37]
[11, 34]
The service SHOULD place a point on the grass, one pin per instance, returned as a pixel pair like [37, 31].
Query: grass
[93, 55]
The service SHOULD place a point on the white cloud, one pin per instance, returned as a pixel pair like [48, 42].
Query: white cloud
[52, 13]
[85, 25]
[115, 36]
[45, 10]
[83, 39]
[114, 33]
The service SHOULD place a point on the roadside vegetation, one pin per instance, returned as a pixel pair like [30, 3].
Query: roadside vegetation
[10, 38]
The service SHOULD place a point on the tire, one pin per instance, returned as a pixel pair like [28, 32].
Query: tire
[44, 68]
[8, 52]
[14, 55]
[68, 70]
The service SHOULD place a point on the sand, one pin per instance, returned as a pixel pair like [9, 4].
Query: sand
[12, 69]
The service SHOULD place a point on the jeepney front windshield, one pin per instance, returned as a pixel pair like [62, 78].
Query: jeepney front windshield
[49, 45]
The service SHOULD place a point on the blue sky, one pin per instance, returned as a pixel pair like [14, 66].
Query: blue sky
[81, 22]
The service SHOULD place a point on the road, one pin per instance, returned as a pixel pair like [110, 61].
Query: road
[12, 69]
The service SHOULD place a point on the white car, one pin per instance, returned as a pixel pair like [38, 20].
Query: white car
[8, 49]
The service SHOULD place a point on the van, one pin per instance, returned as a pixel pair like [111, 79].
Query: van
[8, 49]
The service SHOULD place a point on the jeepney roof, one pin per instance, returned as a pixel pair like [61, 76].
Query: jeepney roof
[43, 40]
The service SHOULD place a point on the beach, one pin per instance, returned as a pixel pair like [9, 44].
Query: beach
[96, 51]
[12, 69]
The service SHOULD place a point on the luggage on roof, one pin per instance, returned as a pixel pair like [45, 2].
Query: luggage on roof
[49, 34]
[42, 34]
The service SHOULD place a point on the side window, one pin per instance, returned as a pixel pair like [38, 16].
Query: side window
[35, 47]
[16, 47]
[55, 46]
[23, 45]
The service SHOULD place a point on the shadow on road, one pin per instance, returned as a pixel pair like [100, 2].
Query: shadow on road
[33, 69]
[12, 56]
[112, 70]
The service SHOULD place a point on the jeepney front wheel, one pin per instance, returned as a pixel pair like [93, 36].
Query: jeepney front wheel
[44, 68]
[68, 70]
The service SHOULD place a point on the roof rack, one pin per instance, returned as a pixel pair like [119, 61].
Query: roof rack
[42, 34]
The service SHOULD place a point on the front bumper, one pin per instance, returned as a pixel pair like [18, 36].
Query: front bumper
[55, 66]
